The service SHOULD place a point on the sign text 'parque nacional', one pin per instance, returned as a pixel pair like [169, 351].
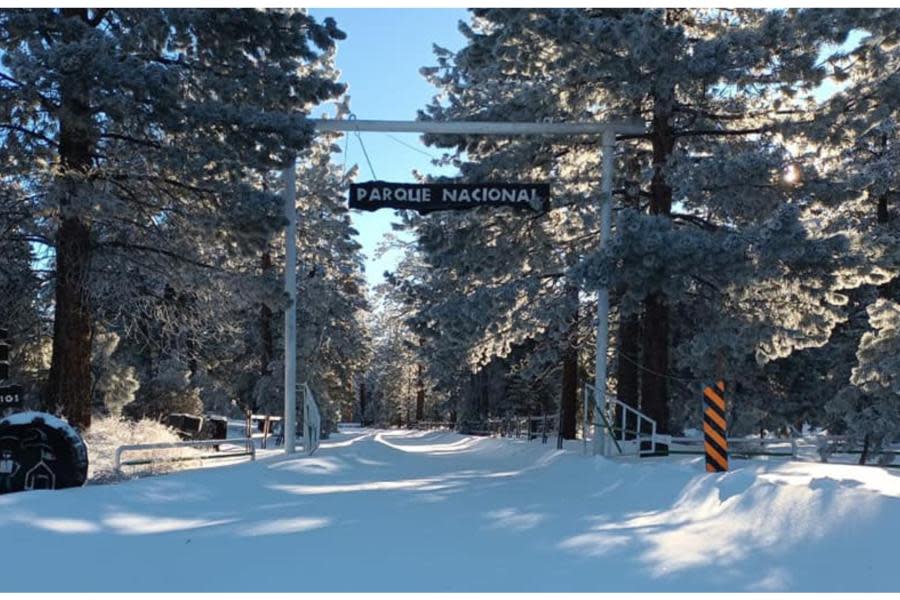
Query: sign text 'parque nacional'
[425, 197]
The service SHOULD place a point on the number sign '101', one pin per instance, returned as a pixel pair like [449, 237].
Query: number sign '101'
[11, 396]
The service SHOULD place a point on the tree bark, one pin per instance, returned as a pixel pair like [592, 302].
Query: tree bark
[362, 402]
[186, 304]
[569, 397]
[629, 335]
[484, 405]
[569, 392]
[882, 213]
[655, 342]
[655, 338]
[69, 380]
[420, 394]
[267, 337]
[627, 374]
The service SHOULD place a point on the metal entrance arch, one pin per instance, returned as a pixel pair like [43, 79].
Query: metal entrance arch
[607, 131]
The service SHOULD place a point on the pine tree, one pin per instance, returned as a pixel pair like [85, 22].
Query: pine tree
[140, 128]
[855, 142]
[723, 261]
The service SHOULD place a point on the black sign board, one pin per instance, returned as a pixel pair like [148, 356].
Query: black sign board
[40, 452]
[425, 197]
[11, 397]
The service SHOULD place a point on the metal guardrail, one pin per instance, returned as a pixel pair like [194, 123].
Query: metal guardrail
[268, 422]
[817, 447]
[247, 443]
[739, 446]
[510, 426]
[542, 426]
[440, 425]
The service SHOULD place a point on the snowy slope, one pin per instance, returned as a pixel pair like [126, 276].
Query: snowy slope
[384, 511]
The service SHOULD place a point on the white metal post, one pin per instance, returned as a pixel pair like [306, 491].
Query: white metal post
[290, 312]
[607, 156]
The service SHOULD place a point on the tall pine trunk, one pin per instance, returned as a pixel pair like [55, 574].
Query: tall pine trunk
[655, 337]
[69, 381]
[882, 213]
[266, 334]
[864, 455]
[888, 290]
[569, 398]
[267, 337]
[628, 339]
[655, 350]
[627, 374]
[362, 402]
[420, 394]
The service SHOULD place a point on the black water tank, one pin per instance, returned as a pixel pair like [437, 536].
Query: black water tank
[187, 426]
[215, 428]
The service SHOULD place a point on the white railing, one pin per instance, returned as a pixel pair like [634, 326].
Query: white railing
[269, 424]
[246, 443]
[312, 421]
[617, 428]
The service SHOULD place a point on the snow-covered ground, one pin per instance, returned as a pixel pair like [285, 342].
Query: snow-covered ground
[429, 511]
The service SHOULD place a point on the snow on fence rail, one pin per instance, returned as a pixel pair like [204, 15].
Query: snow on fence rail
[248, 444]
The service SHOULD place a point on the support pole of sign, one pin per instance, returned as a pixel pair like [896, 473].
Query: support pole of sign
[289, 179]
[607, 156]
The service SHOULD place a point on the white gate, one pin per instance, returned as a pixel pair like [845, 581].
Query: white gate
[616, 428]
[312, 421]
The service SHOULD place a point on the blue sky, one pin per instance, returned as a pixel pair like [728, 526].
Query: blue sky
[380, 61]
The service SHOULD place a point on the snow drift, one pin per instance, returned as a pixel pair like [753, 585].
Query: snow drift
[417, 511]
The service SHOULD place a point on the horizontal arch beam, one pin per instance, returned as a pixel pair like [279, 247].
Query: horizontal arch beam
[479, 127]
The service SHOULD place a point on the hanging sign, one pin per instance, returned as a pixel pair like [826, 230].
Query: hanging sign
[425, 197]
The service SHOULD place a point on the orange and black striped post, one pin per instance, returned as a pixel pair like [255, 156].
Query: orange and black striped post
[715, 440]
